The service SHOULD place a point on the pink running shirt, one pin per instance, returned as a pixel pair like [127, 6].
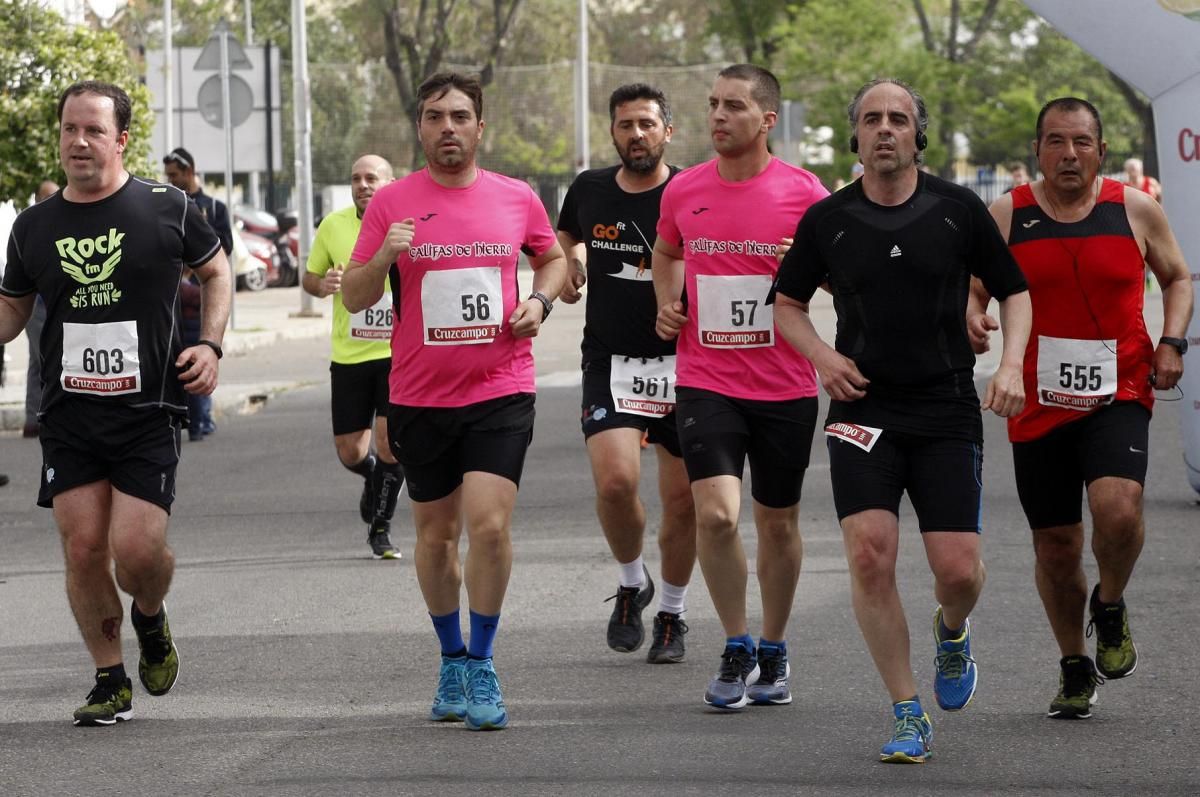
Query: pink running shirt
[728, 232]
[451, 342]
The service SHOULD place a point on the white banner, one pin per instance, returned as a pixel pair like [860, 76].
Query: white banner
[1155, 46]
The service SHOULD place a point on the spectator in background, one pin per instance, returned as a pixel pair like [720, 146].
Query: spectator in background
[180, 169]
[1018, 173]
[33, 334]
[1135, 177]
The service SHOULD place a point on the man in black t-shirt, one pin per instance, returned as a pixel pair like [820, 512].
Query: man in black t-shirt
[897, 250]
[106, 255]
[607, 222]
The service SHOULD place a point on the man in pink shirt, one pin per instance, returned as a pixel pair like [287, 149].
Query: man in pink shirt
[742, 393]
[447, 239]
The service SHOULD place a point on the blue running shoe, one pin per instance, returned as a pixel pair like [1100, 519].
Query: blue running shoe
[485, 705]
[450, 702]
[771, 688]
[912, 737]
[956, 678]
[727, 690]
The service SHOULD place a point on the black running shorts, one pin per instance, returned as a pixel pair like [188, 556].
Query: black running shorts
[943, 478]
[599, 413]
[1053, 470]
[437, 445]
[358, 394]
[136, 449]
[718, 434]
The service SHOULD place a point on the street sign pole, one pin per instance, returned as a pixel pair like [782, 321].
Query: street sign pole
[302, 118]
[227, 125]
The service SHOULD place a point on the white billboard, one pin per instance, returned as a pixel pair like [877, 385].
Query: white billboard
[190, 128]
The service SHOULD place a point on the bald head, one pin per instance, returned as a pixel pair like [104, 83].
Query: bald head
[46, 190]
[368, 175]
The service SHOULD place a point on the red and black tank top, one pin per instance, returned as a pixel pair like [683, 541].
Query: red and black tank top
[1089, 346]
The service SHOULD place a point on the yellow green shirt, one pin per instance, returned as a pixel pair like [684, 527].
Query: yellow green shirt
[363, 336]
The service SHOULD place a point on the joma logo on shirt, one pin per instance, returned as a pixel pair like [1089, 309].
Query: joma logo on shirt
[76, 256]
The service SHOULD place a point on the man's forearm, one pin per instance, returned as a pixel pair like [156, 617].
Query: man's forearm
[215, 300]
[548, 278]
[362, 284]
[1177, 306]
[667, 274]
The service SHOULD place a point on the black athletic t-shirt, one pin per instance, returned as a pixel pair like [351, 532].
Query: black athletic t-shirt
[900, 277]
[618, 229]
[109, 274]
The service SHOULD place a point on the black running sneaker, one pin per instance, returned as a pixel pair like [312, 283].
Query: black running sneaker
[107, 704]
[727, 689]
[1077, 689]
[625, 630]
[1116, 655]
[666, 646]
[158, 665]
[379, 538]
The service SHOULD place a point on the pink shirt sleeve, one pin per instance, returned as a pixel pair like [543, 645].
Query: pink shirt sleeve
[539, 235]
[667, 229]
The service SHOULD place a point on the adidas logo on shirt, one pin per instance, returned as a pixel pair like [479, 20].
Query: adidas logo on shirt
[895, 250]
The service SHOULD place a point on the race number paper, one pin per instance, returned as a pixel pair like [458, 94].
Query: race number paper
[643, 386]
[864, 437]
[101, 359]
[734, 313]
[375, 322]
[1076, 374]
[462, 305]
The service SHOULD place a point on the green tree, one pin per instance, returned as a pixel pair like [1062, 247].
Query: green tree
[40, 56]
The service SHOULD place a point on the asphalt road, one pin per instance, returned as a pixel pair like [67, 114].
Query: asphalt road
[308, 668]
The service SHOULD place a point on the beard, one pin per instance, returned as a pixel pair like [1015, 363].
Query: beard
[450, 160]
[642, 164]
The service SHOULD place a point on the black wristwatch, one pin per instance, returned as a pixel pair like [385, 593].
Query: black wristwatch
[547, 305]
[1179, 343]
[216, 349]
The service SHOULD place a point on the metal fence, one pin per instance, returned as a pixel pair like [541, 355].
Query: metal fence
[530, 124]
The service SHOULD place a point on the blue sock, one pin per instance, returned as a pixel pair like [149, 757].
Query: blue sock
[449, 633]
[766, 643]
[745, 640]
[483, 634]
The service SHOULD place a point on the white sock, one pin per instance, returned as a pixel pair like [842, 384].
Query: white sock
[671, 598]
[633, 574]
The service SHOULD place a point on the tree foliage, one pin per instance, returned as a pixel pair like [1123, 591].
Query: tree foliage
[40, 56]
[985, 68]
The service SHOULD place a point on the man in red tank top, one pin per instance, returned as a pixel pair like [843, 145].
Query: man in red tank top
[1134, 176]
[1082, 242]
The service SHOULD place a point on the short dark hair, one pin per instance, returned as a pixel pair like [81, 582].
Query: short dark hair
[437, 86]
[1066, 105]
[764, 86]
[918, 101]
[122, 105]
[638, 91]
[182, 157]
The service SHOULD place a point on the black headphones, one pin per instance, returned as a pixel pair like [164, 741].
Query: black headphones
[922, 142]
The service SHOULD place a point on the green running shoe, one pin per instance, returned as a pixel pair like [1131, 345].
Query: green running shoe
[1076, 689]
[107, 704]
[158, 666]
[1116, 655]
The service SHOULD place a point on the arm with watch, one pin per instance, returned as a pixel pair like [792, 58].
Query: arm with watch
[549, 274]
[1165, 259]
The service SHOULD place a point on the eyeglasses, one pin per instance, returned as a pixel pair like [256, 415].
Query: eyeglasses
[175, 157]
